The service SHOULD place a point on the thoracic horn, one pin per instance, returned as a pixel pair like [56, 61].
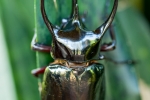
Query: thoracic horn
[101, 30]
[50, 26]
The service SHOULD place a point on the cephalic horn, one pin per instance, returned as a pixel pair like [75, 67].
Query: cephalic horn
[101, 30]
[74, 3]
[76, 12]
[50, 26]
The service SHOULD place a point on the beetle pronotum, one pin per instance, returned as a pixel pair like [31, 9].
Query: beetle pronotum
[76, 73]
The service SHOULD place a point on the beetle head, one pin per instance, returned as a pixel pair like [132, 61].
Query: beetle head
[71, 41]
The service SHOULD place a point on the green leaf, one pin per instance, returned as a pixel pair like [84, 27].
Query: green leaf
[17, 20]
[133, 40]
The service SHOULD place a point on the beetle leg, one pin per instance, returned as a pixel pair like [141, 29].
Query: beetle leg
[83, 16]
[39, 47]
[38, 71]
[130, 62]
[112, 45]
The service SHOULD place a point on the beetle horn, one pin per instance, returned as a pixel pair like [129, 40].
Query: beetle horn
[74, 2]
[76, 12]
[50, 26]
[101, 30]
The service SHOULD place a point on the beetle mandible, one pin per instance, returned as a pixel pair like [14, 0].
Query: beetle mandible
[76, 73]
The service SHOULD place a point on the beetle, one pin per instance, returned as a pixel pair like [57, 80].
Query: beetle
[76, 73]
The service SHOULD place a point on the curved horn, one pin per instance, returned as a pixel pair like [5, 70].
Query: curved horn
[101, 30]
[50, 26]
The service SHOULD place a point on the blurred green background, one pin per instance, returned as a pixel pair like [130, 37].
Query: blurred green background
[17, 59]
